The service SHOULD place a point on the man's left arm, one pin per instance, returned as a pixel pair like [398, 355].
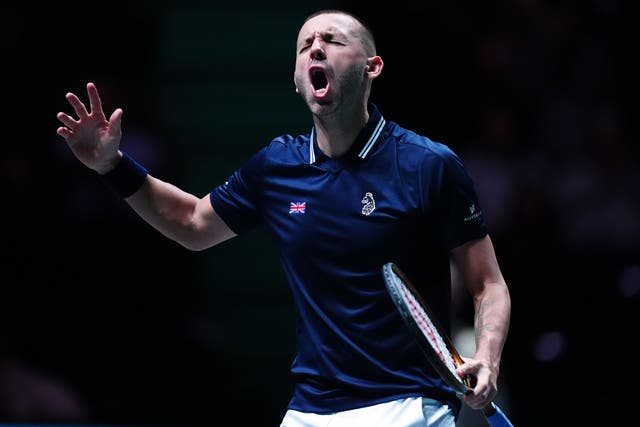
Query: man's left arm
[477, 262]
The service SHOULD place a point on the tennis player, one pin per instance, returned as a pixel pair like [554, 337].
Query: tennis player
[355, 192]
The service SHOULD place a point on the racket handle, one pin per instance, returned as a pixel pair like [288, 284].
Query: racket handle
[495, 417]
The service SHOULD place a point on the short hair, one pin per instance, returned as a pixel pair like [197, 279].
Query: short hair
[369, 40]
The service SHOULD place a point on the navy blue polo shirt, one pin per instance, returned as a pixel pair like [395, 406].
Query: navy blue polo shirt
[396, 196]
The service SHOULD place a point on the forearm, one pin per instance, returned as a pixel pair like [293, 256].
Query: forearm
[178, 215]
[166, 208]
[491, 321]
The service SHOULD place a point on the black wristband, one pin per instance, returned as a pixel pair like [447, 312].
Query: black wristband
[127, 177]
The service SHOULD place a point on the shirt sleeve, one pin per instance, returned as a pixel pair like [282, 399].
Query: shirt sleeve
[237, 200]
[460, 216]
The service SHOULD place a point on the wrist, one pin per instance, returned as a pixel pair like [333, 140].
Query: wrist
[110, 165]
[126, 177]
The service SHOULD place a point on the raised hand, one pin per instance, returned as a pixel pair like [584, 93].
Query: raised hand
[91, 138]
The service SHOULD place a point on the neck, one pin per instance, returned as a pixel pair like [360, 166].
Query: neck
[336, 133]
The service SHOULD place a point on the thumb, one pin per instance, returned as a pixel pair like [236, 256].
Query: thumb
[114, 122]
[462, 369]
[466, 372]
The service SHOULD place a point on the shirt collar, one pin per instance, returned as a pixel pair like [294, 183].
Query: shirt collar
[364, 142]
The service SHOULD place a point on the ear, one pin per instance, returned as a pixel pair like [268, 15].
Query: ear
[374, 67]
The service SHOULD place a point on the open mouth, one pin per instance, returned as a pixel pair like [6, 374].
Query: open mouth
[318, 79]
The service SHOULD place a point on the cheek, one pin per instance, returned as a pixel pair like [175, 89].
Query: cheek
[297, 81]
[299, 75]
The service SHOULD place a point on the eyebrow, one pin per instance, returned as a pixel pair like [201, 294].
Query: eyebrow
[329, 33]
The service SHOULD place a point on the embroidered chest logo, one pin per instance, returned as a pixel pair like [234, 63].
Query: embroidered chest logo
[297, 207]
[369, 204]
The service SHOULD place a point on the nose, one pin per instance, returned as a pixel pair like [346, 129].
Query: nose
[316, 51]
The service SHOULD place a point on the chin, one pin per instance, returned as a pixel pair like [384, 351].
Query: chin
[321, 108]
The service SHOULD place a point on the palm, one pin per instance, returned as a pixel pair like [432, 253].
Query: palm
[92, 138]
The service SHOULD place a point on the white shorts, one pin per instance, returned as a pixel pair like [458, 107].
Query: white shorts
[409, 412]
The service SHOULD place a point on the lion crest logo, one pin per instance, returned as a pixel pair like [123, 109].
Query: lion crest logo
[369, 204]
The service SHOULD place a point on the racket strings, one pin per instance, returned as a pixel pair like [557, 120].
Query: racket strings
[428, 329]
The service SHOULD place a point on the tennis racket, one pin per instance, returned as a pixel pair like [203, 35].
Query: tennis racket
[436, 345]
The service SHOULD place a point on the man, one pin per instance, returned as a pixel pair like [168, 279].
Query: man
[356, 192]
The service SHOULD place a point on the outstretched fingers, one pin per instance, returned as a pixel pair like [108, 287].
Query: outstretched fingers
[94, 101]
[90, 129]
[78, 106]
[68, 121]
[71, 124]
[66, 133]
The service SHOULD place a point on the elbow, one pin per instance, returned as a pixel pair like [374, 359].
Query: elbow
[191, 241]
[192, 246]
[186, 237]
[186, 233]
[196, 240]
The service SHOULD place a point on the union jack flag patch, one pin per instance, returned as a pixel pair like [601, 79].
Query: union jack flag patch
[297, 207]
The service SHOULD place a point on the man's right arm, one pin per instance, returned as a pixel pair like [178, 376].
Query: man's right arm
[180, 216]
[95, 141]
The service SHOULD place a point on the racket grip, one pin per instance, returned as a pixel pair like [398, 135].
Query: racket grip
[495, 417]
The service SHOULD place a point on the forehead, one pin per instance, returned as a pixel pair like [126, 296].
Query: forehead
[332, 23]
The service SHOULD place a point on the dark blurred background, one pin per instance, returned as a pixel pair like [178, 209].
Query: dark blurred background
[105, 321]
